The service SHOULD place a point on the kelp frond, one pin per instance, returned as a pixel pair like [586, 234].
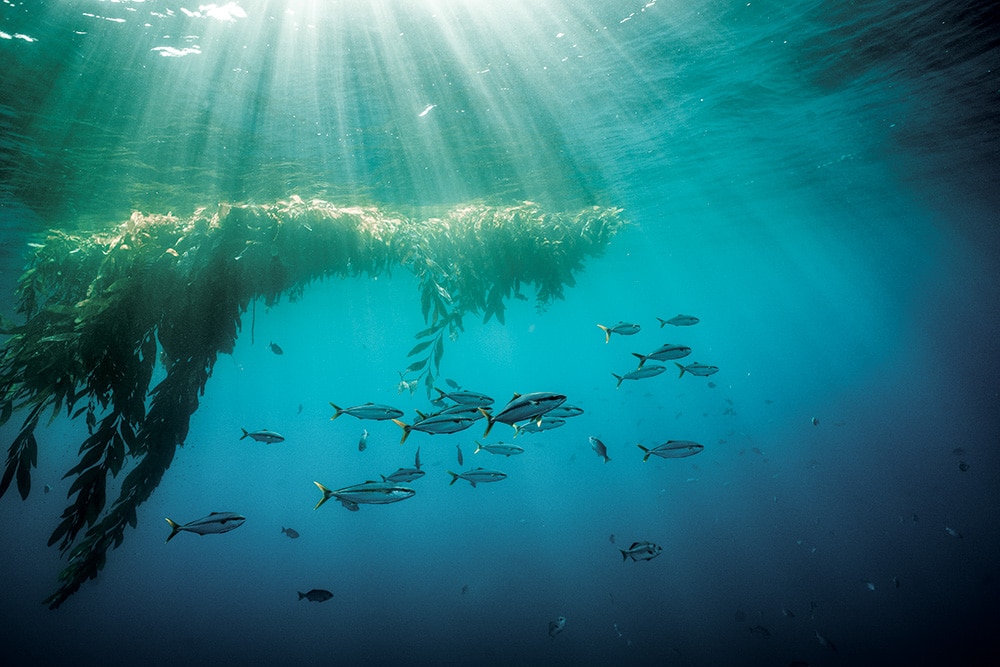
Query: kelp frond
[101, 311]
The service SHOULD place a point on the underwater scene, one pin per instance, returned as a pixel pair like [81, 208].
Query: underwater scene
[458, 332]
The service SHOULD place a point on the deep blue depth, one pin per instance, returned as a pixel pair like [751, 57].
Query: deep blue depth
[817, 183]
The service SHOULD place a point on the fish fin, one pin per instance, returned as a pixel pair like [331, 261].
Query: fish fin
[339, 410]
[620, 378]
[489, 422]
[472, 483]
[479, 447]
[624, 555]
[646, 457]
[406, 430]
[383, 478]
[245, 433]
[607, 332]
[327, 494]
[174, 529]
[301, 595]
[680, 367]
[642, 358]
[663, 322]
[454, 478]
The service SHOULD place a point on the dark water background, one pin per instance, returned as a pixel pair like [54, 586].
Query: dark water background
[816, 181]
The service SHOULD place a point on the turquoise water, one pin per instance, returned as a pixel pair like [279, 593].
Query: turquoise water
[817, 183]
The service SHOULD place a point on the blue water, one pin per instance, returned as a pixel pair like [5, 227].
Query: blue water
[817, 182]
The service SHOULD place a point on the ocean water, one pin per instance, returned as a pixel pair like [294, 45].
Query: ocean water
[817, 182]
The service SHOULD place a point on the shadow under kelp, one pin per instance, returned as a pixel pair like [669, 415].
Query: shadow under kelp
[102, 311]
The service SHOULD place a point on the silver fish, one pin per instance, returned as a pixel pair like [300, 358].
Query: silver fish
[368, 493]
[216, 522]
[824, 642]
[476, 476]
[316, 595]
[679, 321]
[367, 411]
[416, 460]
[664, 353]
[404, 475]
[499, 448]
[641, 551]
[672, 449]
[698, 369]
[436, 424]
[459, 449]
[291, 532]
[363, 442]
[546, 423]
[262, 436]
[556, 626]
[564, 412]
[465, 397]
[523, 407]
[599, 447]
[642, 372]
[622, 329]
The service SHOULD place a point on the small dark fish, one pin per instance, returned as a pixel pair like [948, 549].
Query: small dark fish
[363, 442]
[276, 348]
[824, 642]
[291, 532]
[599, 447]
[465, 589]
[712, 385]
[556, 626]
[416, 460]
[451, 383]
[47, 488]
[299, 411]
[641, 551]
[622, 329]
[895, 582]
[787, 613]
[612, 538]
[760, 630]
[679, 321]
[953, 532]
[458, 448]
[316, 595]
[263, 436]
[958, 451]
[214, 523]
[963, 466]
[815, 421]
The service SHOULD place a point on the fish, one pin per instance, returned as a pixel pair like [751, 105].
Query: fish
[367, 493]
[363, 442]
[367, 411]
[216, 522]
[316, 595]
[404, 475]
[599, 447]
[291, 532]
[869, 585]
[622, 329]
[465, 397]
[476, 476]
[499, 448]
[416, 460]
[612, 538]
[435, 424]
[465, 589]
[663, 353]
[276, 348]
[564, 412]
[952, 532]
[523, 407]
[824, 642]
[698, 369]
[263, 436]
[679, 321]
[641, 551]
[546, 423]
[47, 488]
[556, 626]
[672, 449]
[459, 449]
[640, 373]
[787, 613]
[760, 630]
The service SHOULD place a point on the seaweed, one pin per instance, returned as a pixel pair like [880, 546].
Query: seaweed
[161, 297]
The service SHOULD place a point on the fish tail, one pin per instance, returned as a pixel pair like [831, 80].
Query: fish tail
[680, 367]
[479, 447]
[646, 457]
[663, 322]
[245, 433]
[454, 478]
[489, 422]
[174, 529]
[327, 494]
[406, 430]
[301, 595]
[607, 458]
[642, 358]
[339, 410]
[620, 378]
[607, 333]
[624, 557]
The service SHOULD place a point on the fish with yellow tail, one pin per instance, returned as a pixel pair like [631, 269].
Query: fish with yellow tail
[214, 523]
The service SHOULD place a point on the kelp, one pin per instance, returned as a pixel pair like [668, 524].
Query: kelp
[162, 296]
